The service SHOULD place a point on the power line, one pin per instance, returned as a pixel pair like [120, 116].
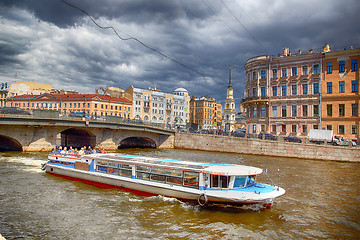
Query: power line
[140, 42]
[243, 26]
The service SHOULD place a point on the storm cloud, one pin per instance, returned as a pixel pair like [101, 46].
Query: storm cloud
[185, 43]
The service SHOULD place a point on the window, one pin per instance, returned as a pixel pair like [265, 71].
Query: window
[316, 126]
[341, 110]
[354, 65]
[293, 128]
[254, 111]
[341, 129]
[354, 110]
[262, 112]
[329, 127]
[283, 128]
[273, 128]
[305, 70]
[254, 76]
[316, 69]
[329, 110]
[263, 91]
[316, 88]
[263, 75]
[341, 86]
[283, 111]
[305, 110]
[274, 110]
[316, 110]
[274, 90]
[284, 72]
[293, 89]
[254, 128]
[283, 90]
[329, 67]
[304, 128]
[305, 89]
[274, 73]
[254, 92]
[354, 129]
[294, 71]
[341, 66]
[294, 111]
[329, 87]
[354, 86]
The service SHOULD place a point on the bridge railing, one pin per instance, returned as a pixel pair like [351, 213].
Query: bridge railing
[107, 119]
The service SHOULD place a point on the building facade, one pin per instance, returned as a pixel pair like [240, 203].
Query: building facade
[282, 94]
[340, 93]
[229, 108]
[205, 112]
[95, 105]
[155, 106]
[3, 93]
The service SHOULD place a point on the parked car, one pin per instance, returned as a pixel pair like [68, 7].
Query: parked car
[181, 129]
[268, 136]
[14, 110]
[79, 114]
[292, 139]
[202, 131]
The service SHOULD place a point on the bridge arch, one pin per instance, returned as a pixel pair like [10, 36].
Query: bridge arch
[137, 142]
[77, 138]
[9, 144]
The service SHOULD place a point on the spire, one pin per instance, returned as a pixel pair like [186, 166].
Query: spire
[230, 86]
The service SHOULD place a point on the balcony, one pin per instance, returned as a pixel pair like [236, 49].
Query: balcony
[255, 99]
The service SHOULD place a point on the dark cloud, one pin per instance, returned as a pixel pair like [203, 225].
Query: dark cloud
[49, 41]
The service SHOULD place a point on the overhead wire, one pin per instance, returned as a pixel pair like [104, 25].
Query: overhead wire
[140, 42]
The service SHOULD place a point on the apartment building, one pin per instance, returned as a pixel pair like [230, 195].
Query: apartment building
[153, 105]
[282, 94]
[340, 93]
[92, 104]
[206, 112]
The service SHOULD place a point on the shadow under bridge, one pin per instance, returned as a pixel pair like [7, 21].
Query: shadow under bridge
[77, 138]
[137, 142]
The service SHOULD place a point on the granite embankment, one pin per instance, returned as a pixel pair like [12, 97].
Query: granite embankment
[265, 147]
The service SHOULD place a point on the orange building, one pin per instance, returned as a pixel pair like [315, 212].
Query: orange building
[92, 104]
[205, 112]
[340, 93]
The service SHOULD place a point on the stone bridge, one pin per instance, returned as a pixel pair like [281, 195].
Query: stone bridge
[43, 134]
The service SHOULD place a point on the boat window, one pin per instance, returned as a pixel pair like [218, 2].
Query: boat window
[112, 170]
[142, 169]
[239, 182]
[143, 175]
[191, 179]
[125, 170]
[103, 163]
[174, 177]
[250, 180]
[219, 181]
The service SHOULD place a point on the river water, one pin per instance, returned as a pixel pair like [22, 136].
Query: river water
[322, 201]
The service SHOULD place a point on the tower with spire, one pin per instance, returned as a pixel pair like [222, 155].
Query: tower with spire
[229, 110]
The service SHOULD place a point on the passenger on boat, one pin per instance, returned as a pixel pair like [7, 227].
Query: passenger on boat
[81, 152]
[64, 151]
[59, 150]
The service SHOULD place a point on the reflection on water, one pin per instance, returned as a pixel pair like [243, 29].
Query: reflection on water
[322, 201]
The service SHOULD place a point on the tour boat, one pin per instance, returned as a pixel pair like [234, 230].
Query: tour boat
[204, 183]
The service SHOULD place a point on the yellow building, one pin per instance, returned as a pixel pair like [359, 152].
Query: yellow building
[340, 93]
[29, 88]
[205, 112]
[93, 104]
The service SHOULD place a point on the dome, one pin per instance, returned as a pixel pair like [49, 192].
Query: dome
[180, 90]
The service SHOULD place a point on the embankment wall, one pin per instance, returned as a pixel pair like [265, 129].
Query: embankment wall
[265, 147]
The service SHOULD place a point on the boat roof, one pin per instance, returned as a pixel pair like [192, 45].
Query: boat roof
[209, 168]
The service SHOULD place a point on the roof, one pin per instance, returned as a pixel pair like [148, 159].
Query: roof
[180, 90]
[210, 168]
[74, 97]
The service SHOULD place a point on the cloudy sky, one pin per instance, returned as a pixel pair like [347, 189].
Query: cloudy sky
[169, 43]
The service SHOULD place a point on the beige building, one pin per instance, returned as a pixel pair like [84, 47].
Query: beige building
[155, 106]
[91, 104]
[282, 94]
[205, 112]
[3, 93]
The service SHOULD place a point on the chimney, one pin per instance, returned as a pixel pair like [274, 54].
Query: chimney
[326, 48]
[310, 50]
[285, 51]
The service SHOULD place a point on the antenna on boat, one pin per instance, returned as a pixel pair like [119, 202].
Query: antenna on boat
[278, 179]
